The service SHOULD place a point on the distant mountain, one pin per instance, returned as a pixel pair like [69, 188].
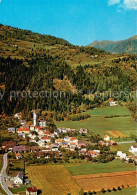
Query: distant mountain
[128, 45]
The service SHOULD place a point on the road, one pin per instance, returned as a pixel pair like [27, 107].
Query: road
[126, 142]
[3, 175]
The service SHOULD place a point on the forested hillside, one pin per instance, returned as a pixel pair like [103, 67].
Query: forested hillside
[33, 64]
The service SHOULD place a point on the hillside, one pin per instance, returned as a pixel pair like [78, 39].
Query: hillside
[33, 62]
[124, 46]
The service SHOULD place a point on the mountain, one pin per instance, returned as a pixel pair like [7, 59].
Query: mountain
[124, 46]
[61, 74]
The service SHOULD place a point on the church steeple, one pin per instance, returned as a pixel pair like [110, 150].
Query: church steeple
[34, 118]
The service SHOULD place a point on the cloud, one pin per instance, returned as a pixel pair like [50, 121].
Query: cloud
[112, 2]
[130, 4]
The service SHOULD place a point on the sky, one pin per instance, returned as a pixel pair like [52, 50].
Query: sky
[79, 21]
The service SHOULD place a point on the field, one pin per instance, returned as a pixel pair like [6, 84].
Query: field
[94, 168]
[126, 191]
[122, 147]
[96, 182]
[116, 134]
[53, 180]
[107, 111]
[98, 124]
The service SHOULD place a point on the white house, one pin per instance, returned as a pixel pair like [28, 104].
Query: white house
[112, 103]
[41, 143]
[42, 123]
[133, 149]
[18, 180]
[121, 155]
[106, 138]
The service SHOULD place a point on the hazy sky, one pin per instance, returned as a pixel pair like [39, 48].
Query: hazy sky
[78, 21]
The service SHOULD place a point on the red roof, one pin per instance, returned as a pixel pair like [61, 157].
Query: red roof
[45, 137]
[23, 129]
[91, 152]
[32, 189]
[18, 154]
[47, 132]
[73, 138]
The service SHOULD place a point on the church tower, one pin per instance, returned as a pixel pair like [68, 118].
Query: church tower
[34, 118]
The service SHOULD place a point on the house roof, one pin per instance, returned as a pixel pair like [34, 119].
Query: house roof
[23, 129]
[45, 137]
[18, 154]
[73, 138]
[135, 146]
[106, 136]
[32, 189]
[91, 152]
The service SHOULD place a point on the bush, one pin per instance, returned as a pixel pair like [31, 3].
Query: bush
[119, 188]
[109, 190]
[103, 191]
[114, 189]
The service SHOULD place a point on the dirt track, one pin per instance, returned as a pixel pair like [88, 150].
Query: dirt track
[96, 182]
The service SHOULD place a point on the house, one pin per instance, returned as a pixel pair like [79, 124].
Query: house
[56, 132]
[18, 180]
[46, 139]
[17, 115]
[23, 130]
[102, 143]
[47, 133]
[22, 135]
[133, 149]
[83, 130]
[42, 123]
[58, 141]
[35, 149]
[23, 122]
[74, 140]
[66, 139]
[18, 149]
[92, 153]
[82, 143]
[72, 148]
[8, 145]
[31, 191]
[64, 144]
[83, 151]
[41, 143]
[121, 155]
[54, 147]
[12, 130]
[112, 103]
[32, 128]
[106, 138]
[112, 143]
[18, 156]
[40, 154]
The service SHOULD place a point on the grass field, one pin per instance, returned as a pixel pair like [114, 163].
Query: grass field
[106, 111]
[53, 180]
[126, 191]
[122, 147]
[99, 125]
[93, 168]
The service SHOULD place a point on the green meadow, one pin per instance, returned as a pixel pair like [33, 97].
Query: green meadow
[98, 124]
[95, 168]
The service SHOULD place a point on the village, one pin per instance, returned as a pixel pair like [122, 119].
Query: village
[57, 147]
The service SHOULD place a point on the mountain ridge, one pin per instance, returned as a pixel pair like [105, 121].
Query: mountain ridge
[123, 46]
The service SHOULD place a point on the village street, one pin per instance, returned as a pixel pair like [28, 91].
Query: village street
[126, 142]
[3, 175]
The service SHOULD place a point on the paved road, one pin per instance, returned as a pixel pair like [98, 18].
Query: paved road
[126, 142]
[3, 175]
